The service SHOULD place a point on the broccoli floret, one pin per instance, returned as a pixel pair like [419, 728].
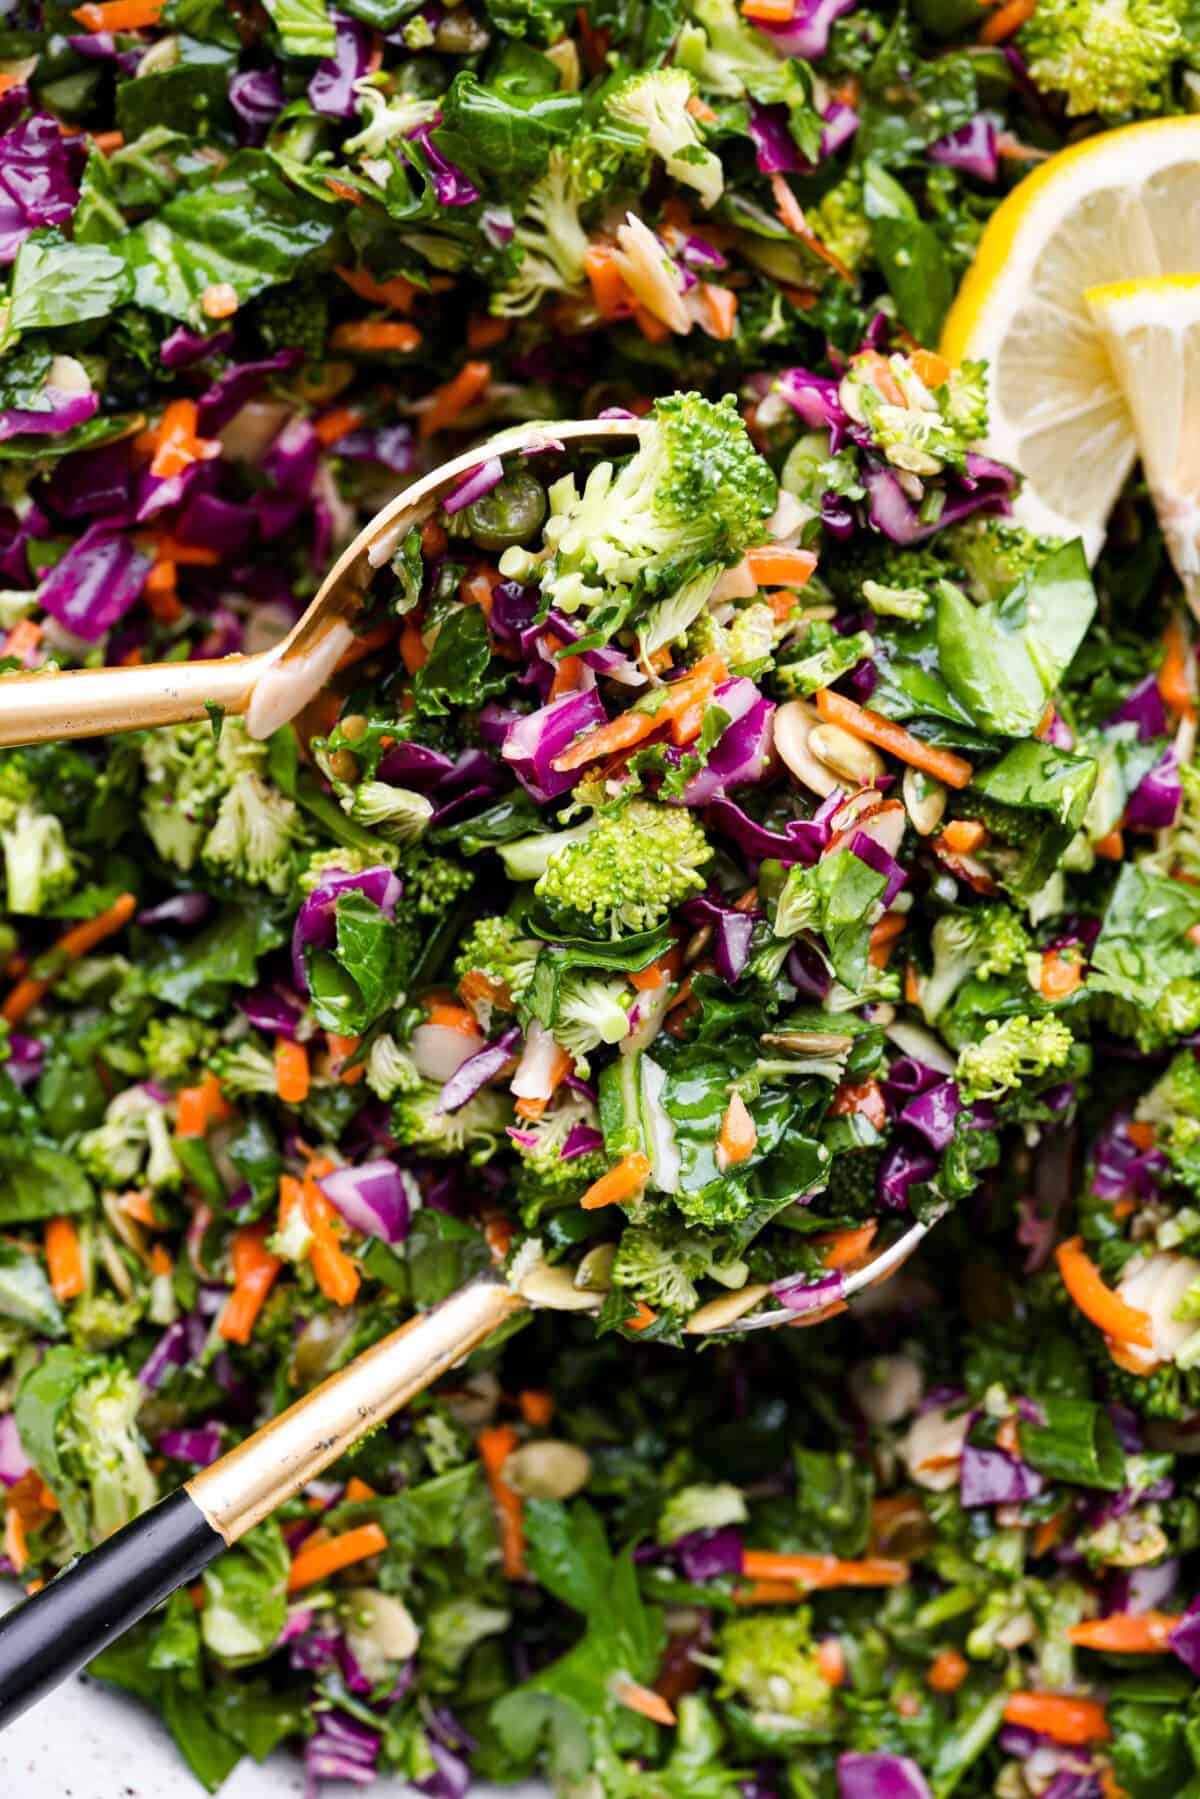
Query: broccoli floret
[418, 1123]
[851, 1190]
[663, 1274]
[768, 1659]
[388, 120]
[964, 400]
[133, 1146]
[1172, 1106]
[252, 837]
[988, 940]
[38, 868]
[725, 54]
[174, 1045]
[1016, 1050]
[539, 1142]
[1176, 1014]
[1106, 56]
[694, 496]
[701, 1507]
[552, 240]
[994, 554]
[840, 222]
[396, 811]
[340, 861]
[875, 559]
[656, 101]
[390, 1070]
[102, 1321]
[188, 771]
[918, 429]
[1181, 854]
[243, 1068]
[432, 883]
[495, 947]
[638, 862]
[294, 317]
[750, 638]
[590, 1010]
[78, 1414]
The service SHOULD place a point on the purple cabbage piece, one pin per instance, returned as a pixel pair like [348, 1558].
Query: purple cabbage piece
[743, 753]
[1073, 1786]
[181, 908]
[16, 534]
[171, 1351]
[13, 1460]
[1154, 804]
[450, 184]
[39, 181]
[316, 921]
[269, 1009]
[814, 397]
[987, 486]
[881, 862]
[475, 1073]
[372, 1198]
[880, 1776]
[993, 1477]
[182, 349]
[532, 743]
[807, 32]
[474, 486]
[201, 1444]
[934, 1113]
[971, 149]
[799, 1294]
[391, 446]
[1121, 1170]
[807, 970]
[705, 1554]
[1058, 732]
[775, 148]
[452, 1779]
[1140, 1590]
[841, 124]
[605, 661]
[514, 608]
[904, 1165]
[62, 412]
[414, 765]
[217, 524]
[13, 102]
[581, 1140]
[732, 931]
[352, 1670]
[26, 1058]
[801, 839]
[313, 1652]
[291, 460]
[101, 46]
[906, 1076]
[498, 225]
[1184, 1640]
[93, 586]
[257, 98]
[1142, 706]
[331, 90]
[229, 393]
[91, 483]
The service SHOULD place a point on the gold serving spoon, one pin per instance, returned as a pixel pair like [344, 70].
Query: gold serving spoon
[58, 1630]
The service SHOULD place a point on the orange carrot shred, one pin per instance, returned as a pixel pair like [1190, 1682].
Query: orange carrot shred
[815, 1572]
[78, 941]
[454, 397]
[537, 1406]
[947, 1671]
[1098, 1303]
[1125, 1633]
[119, 15]
[495, 1445]
[64, 1258]
[374, 334]
[1006, 21]
[625, 1180]
[860, 721]
[317, 1562]
[291, 1071]
[642, 1699]
[254, 1271]
[772, 566]
[1058, 1715]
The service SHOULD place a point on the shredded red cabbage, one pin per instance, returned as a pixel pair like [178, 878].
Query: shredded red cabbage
[331, 90]
[971, 148]
[532, 743]
[475, 1073]
[316, 921]
[93, 586]
[878, 1776]
[1155, 802]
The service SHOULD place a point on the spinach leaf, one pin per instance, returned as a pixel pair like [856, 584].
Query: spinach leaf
[56, 283]
[353, 983]
[1003, 660]
[1076, 1444]
[245, 1596]
[833, 1502]
[512, 817]
[197, 974]
[443, 1254]
[305, 27]
[909, 252]
[1149, 1749]
[835, 897]
[39, 1181]
[501, 140]
[244, 226]
[255, 1154]
[909, 100]
[1055, 787]
[26, 1295]
[384, 15]
[454, 673]
[1143, 943]
[44, 1397]
[258, 1716]
[208, 1751]
[192, 97]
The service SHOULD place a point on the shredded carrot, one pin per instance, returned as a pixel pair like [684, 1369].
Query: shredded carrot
[15, 1545]
[78, 941]
[1108, 1784]
[358, 1489]
[772, 566]
[1006, 21]
[700, 109]
[119, 15]
[498, 1235]
[665, 969]
[198, 1108]
[610, 296]
[312, 1564]
[1111, 848]
[64, 1258]
[559, 1069]
[912, 984]
[771, 12]
[642, 1318]
[398, 291]
[1140, 1135]
[1057, 1715]
[177, 444]
[860, 721]
[930, 368]
[337, 423]
[483, 331]
[737, 1138]
[254, 1271]
[861, 1099]
[841, 1248]
[23, 640]
[1049, 1532]
[452, 1018]
[375, 334]
[414, 652]
[495, 1445]
[140, 1206]
[884, 937]
[767, 1592]
[947, 1671]
[1124, 1208]
[642, 1699]
[219, 300]
[791, 214]
[336, 1274]
[831, 1662]
[454, 397]
[963, 836]
[1098, 1303]
[537, 1406]
[721, 305]
[624, 1180]
[341, 1049]
[1060, 973]
[568, 673]
[680, 700]
[1125, 1633]
[291, 1071]
[821, 1571]
[1174, 682]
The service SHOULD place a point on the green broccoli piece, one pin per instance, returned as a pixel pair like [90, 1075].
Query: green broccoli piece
[636, 863]
[1016, 1050]
[1105, 56]
[102, 1321]
[852, 1188]
[965, 402]
[664, 1274]
[390, 1069]
[432, 883]
[1172, 1106]
[552, 241]
[840, 221]
[693, 496]
[189, 774]
[990, 939]
[244, 1068]
[1175, 1014]
[77, 1414]
[545, 1178]
[993, 554]
[726, 55]
[700, 1507]
[134, 1145]
[400, 814]
[875, 559]
[253, 834]
[1181, 855]
[174, 1045]
[768, 1660]
[419, 1123]
[924, 431]
[38, 868]
[656, 101]
[294, 317]
[495, 947]
[750, 639]
[590, 1010]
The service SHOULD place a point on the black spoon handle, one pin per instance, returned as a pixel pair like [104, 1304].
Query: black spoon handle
[54, 1633]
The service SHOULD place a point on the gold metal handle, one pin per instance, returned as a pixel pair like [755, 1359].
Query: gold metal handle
[246, 1485]
[86, 702]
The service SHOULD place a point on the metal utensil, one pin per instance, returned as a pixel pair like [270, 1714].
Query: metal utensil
[55, 1632]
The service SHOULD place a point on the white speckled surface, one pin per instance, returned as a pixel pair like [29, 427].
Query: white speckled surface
[88, 1742]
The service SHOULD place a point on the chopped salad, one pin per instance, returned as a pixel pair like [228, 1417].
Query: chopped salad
[729, 840]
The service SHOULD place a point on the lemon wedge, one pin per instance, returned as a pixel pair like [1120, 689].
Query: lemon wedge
[1117, 207]
[1151, 332]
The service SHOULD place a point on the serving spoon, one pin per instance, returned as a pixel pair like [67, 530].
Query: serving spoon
[58, 1630]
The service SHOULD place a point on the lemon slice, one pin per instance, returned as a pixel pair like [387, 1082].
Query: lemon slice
[1116, 207]
[1151, 332]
